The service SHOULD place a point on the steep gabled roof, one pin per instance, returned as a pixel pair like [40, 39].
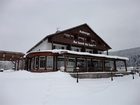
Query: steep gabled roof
[59, 32]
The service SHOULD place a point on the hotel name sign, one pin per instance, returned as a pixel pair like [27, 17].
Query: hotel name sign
[82, 43]
[79, 42]
[83, 32]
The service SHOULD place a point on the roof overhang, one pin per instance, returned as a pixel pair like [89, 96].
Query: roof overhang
[68, 52]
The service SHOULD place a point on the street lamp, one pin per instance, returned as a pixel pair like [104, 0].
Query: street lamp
[133, 72]
[111, 75]
[77, 70]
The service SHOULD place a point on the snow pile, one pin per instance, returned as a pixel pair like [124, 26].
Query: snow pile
[59, 88]
[62, 51]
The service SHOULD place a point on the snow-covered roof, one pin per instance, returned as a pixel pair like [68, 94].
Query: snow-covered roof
[62, 51]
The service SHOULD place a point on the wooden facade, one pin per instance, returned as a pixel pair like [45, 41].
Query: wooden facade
[82, 38]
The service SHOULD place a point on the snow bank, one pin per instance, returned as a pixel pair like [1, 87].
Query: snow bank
[59, 88]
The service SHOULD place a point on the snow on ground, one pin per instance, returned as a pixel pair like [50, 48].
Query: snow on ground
[58, 88]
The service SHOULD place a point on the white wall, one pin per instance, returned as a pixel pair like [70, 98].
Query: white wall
[59, 46]
[89, 50]
[75, 49]
[43, 46]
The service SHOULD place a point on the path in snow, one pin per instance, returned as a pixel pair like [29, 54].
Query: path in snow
[58, 88]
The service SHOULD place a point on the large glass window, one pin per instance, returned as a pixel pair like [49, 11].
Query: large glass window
[49, 62]
[60, 62]
[70, 64]
[81, 64]
[36, 62]
[42, 62]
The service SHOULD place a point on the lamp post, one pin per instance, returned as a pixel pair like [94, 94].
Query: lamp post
[77, 70]
[111, 75]
[133, 72]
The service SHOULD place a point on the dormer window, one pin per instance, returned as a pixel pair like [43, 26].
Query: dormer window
[67, 35]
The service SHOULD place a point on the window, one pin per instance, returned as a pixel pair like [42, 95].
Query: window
[62, 47]
[42, 62]
[49, 62]
[36, 62]
[90, 51]
[67, 35]
[77, 50]
[54, 47]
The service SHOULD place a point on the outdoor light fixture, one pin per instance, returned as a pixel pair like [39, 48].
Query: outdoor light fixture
[111, 75]
[77, 70]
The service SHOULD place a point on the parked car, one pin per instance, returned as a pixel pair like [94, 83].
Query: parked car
[1, 70]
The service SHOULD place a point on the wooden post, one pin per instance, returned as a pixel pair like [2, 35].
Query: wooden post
[38, 63]
[65, 63]
[29, 64]
[56, 62]
[107, 52]
[114, 62]
[75, 62]
[18, 65]
[103, 65]
[15, 65]
[33, 63]
[86, 66]
[45, 62]
[125, 65]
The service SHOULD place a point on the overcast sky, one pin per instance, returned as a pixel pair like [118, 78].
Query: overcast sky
[25, 22]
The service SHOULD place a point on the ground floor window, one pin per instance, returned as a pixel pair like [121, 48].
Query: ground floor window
[70, 64]
[108, 65]
[36, 62]
[49, 62]
[42, 62]
[60, 62]
[81, 64]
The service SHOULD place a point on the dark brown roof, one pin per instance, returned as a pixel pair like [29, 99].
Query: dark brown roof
[59, 32]
[10, 55]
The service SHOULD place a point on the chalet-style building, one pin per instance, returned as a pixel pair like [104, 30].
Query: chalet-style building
[65, 50]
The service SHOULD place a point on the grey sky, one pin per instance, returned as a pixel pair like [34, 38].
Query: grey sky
[25, 22]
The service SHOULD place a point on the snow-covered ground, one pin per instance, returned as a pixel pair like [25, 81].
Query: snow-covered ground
[58, 88]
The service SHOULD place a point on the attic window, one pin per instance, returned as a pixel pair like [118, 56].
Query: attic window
[93, 41]
[67, 35]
